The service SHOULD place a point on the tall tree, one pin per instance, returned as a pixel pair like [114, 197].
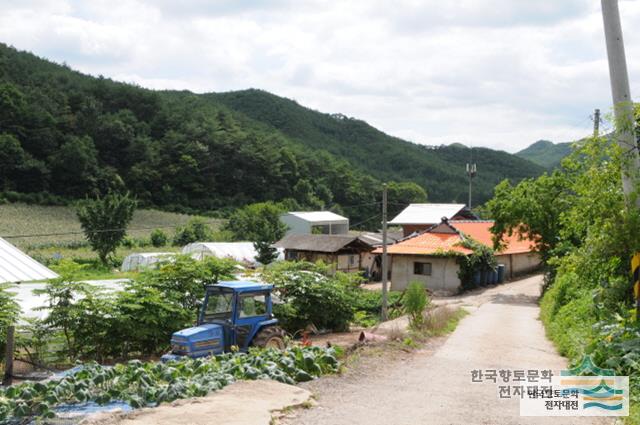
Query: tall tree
[105, 220]
[261, 224]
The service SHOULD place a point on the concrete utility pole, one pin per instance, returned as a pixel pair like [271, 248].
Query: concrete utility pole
[623, 110]
[596, 122]
[622, 103]
[384, 252]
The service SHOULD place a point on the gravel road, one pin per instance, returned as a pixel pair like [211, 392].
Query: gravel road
[433, 386]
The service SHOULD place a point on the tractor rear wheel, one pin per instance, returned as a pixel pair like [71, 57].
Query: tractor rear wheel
[270, 337]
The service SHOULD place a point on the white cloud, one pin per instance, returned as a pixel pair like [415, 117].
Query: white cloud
[497, 73]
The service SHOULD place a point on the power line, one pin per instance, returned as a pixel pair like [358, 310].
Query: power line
[96, 231]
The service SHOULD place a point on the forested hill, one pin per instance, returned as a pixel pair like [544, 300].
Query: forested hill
[70, 135]
[545, 153]
[441, 169]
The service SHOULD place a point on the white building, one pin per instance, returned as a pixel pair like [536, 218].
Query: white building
[315, 222]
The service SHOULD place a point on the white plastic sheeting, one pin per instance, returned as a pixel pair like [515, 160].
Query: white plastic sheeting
[16, 266]
[143, 260]
[243, 252]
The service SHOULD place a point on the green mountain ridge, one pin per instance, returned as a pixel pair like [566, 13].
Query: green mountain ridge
[545, 153]
[72, 135]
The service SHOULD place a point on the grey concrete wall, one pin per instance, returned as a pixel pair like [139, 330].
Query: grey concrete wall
[444, 273]
[517, 264]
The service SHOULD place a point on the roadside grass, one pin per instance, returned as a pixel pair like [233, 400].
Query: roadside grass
[444, 320]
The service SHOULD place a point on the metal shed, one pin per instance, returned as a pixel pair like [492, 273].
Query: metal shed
[16, 266]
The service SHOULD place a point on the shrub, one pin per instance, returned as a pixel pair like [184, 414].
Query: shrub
[159, 238]
[9, 312]
[414, 303]
[196, 230]
[313, 296]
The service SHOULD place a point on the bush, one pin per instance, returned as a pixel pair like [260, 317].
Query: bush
[9, 312]
[196, 230]
[313, 296]
[159, 238]
[414, 303]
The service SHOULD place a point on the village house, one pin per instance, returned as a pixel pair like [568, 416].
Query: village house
[344, 252]
[431, 256]
[419, 217]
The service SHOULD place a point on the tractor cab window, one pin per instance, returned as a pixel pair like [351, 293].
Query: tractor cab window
[219, 306]
[252, 305]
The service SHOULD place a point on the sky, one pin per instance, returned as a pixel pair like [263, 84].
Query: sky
[494, 73]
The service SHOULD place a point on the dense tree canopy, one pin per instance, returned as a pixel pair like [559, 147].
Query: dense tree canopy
[71, 135]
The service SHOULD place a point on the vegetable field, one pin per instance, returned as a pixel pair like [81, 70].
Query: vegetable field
[149, 384]
[23, 219]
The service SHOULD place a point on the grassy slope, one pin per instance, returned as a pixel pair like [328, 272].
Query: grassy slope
[22, 219]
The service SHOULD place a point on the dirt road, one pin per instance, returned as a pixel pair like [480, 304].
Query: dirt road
[434, 386]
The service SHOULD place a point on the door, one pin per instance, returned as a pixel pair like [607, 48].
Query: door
[251, 310]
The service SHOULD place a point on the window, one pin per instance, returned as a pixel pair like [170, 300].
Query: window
[352, 260]
[422, 268]
[218, 306]
[253, 305]
[291, 255]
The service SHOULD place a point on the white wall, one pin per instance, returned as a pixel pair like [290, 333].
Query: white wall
[296, 225]
[444, 273]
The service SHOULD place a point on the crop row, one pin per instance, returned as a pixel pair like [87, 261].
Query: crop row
[148, 384]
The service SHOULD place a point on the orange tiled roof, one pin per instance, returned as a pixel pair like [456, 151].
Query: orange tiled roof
[429, 243]
[480, 231]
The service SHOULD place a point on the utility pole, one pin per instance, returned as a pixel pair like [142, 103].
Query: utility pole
[385, 273]
[596, 122]
[471, 172]
[623, 110]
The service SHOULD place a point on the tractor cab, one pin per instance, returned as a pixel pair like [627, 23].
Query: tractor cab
[233, 314]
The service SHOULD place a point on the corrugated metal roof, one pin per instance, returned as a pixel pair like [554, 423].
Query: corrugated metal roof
[426, 213]
[319, 217]
[318, 243]
[16, 266]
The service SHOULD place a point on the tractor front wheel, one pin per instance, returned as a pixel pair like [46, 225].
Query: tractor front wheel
[270, 337]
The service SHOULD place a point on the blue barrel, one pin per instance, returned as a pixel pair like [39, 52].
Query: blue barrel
[493, 277]
[484, 279]
[476, 279]
[501, 269]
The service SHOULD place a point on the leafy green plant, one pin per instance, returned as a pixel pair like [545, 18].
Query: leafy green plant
[415, 302]
[313, 295]
[158, 238]
[9, 313]
[150, 384]
[196, 230]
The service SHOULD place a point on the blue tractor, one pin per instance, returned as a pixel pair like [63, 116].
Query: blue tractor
[233, 314]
